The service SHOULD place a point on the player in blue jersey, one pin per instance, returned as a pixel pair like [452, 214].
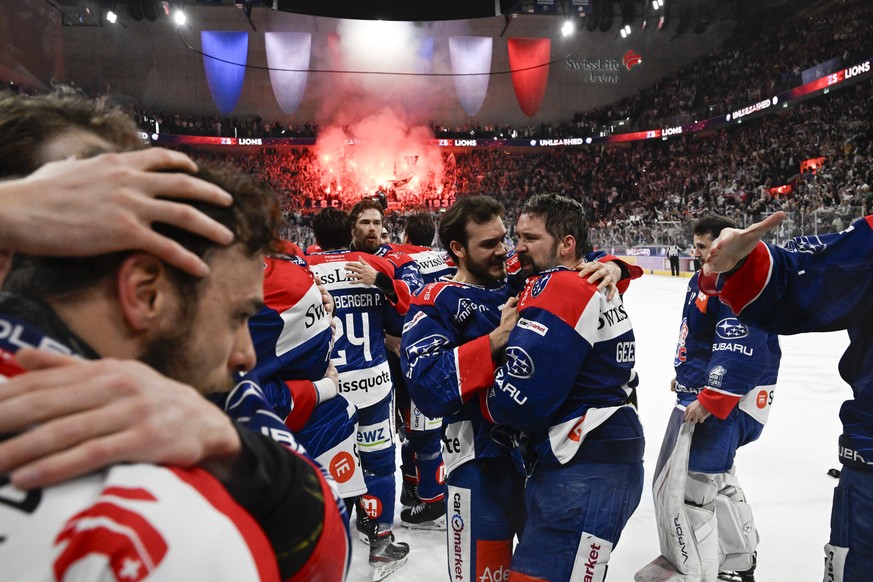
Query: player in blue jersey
[725, 377]
[449, 339]
[567, 381]
[820, 283]
[368, 301]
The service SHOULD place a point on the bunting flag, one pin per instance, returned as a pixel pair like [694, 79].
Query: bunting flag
[288, 55]
[529, 78]
[471, 56]
[224, 58]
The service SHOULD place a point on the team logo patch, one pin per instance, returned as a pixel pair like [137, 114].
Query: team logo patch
[427, 345]
[761, 399]
[533, 326]
[716, 375]
[539, 285]
[730, 328]
[518, 362]
[372, 506]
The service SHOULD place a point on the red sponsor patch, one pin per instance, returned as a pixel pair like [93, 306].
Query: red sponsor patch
[342, 467]
[441, 474]
[761, 400]
[8, 366]
[492, 560]
[372, 506]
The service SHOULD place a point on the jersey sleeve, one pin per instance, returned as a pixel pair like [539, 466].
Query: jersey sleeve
[814, 284]
[441, 375]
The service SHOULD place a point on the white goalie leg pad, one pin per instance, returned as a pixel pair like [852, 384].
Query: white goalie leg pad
[592, 559]
[737, 536]
[686, 533]
[835, 563]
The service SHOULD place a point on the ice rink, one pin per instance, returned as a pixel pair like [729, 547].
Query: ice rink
[784, 473]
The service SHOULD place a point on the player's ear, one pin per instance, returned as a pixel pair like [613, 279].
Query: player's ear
[458, 249]
[567, 246]
[144, 290]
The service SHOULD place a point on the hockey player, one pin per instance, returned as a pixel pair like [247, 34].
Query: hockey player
[367, 301]
[567, 380]
[454, 332]
[449, 339]
[293, 338]
[267, 480]
[820, 283]
[367, 219]
[138, 521]
[421, 453]
[725, 377]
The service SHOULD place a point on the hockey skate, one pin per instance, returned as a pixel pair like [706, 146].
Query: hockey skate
[425, 515]
[743, 575]
[386, 556]
[409, 495]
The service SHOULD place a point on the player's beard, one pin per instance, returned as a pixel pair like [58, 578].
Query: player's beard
[368, 246]
[169, 353]
[529, 267]
[483, 272]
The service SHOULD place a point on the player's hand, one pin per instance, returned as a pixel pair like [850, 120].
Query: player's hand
[108, 203]
[695, 413]
[392, 344]
[605, 275]
[508, 319]
[326, 298]
[673, 385]
[733, 245]
[361, 273]
[76, 416]
[328, 386]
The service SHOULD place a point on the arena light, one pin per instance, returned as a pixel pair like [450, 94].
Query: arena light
[179, 18]
[655, 5]
[111, 16]
[568, 28]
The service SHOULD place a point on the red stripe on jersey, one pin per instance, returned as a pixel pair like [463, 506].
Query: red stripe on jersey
[564, 295]
[220, 499]
[304, 400]
[431, 291]
[718, 403]
[869, 220]
[483, 406]
[475, 367]
[285, 283]
[136, 493]
[742, 287]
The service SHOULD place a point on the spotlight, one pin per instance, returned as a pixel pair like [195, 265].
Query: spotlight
[568, 28]
[655, 5]
[111, 16]
[623, 33]
[179, 18]
[626, 31]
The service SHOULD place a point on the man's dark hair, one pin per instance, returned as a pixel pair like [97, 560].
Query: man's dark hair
[475, 209]
[27, 123]
[563, 216]
[254, 219]
[712, 225]
[362, 205]
[332, 228]
[420, 229]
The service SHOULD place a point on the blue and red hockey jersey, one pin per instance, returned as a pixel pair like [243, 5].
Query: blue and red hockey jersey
[362, 317]
[446, 357]
[569, 368]
[292, 338]
[405, 267]
[432, 264]
[820, 283]
[720, 360]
